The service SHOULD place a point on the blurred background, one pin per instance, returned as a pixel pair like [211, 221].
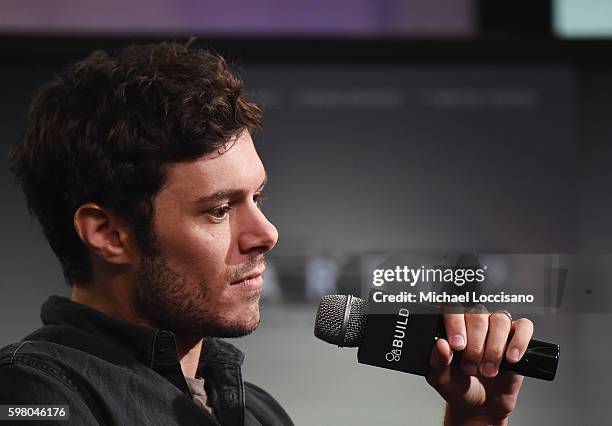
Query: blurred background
[390, 126]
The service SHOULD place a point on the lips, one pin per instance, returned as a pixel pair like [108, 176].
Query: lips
[250, 276]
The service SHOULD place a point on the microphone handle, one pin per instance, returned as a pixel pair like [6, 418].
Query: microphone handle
[539, 361]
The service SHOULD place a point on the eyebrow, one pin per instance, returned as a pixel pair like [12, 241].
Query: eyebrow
[227, 194]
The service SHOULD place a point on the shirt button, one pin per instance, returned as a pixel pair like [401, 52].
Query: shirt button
[232, 396]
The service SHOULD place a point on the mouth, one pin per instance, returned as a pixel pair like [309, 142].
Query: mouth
[253, 278]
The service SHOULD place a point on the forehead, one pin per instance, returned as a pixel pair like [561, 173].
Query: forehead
[237, 168]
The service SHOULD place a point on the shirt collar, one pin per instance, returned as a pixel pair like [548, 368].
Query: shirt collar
[149, 345]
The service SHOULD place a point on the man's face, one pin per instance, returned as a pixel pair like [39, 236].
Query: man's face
[211, 239]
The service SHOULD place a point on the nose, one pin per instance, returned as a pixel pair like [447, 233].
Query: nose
[258, 235]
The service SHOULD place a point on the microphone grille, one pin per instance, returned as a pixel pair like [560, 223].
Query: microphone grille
[330, 318]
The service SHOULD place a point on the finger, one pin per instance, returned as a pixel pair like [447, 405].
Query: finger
[476, 324]
[440, 376]
[441, 355]
[454, 324]
[447, 381]
[523, 330]
[497, 337]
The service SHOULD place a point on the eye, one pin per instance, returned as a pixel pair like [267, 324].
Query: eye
[219, 213]
[259, 199]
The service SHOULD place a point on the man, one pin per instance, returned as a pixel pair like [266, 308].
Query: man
[141, 169]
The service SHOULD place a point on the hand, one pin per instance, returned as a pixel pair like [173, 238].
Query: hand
[475, 390]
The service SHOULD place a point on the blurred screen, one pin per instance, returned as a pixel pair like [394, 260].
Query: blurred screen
[585, 18]
[368, 158]
[269, 17]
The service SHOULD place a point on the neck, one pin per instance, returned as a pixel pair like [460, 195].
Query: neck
[189, 349]
[111, 293]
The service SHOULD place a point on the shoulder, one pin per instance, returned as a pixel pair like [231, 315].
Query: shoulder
[26, 360]
[29, 375]
[261, 405]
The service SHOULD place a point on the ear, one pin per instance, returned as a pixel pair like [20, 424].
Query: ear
[105, 234]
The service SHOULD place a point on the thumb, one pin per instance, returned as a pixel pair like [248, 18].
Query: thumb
[441, 354]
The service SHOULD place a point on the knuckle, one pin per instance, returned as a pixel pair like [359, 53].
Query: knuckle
[524, 325]
[453, 309]
[481, 308]
[524, 322]
[472, 353]
[507, 405]
[494, 354]
[454, 320]
[499, 320]
[478, 309]
[477, 322]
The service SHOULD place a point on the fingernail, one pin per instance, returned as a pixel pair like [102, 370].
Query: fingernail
[457, 341]
[489, 369]
[470, 369]
[514, 354]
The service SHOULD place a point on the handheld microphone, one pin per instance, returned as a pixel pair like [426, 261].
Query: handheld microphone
[403, 340]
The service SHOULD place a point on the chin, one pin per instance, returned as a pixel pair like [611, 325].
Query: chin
[248, 324]
[253, 321]
[235, 330]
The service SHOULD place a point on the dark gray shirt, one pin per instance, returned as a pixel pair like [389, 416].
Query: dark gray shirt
[112, 372]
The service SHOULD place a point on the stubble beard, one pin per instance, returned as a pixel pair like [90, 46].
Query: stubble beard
[163, 298]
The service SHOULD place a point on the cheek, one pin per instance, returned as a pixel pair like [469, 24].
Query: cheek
[195, 248]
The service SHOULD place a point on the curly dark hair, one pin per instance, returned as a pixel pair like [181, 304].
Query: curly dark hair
[106, 129]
